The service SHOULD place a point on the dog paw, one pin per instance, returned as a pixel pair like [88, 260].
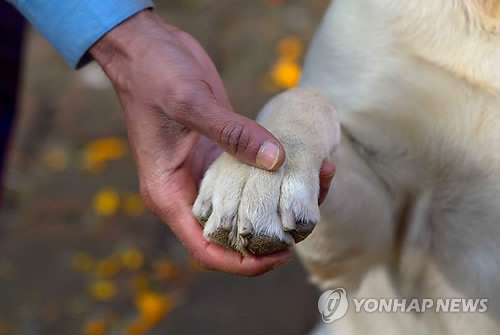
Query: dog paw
[255, 211]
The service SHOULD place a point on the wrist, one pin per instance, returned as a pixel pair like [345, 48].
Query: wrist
[121, 42]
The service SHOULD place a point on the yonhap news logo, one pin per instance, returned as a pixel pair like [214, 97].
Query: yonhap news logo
[333, 305]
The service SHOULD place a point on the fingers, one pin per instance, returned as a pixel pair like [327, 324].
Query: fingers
[238, 136]
[211, 115]
[173, 201]
[201, 103]
[213, 257]
[326, 174]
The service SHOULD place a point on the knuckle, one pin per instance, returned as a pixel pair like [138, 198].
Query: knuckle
[192, 95]
[234, 137]
[182, 102]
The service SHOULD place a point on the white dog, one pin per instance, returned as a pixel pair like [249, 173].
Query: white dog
[414, 209]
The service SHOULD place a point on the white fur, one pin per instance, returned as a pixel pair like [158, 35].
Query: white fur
[265, 202]
[414, 209]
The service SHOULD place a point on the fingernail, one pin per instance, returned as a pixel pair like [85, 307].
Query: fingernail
[268, 155]
[280, 263]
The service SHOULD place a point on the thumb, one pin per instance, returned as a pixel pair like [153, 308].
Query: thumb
[237, 135]
[246, 140]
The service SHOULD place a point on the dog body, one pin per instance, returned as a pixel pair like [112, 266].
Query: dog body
[414, 208]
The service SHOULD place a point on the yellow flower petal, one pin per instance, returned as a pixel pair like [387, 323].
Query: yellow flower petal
[100, 151]
[286, 74]
[154, 307]
[132, 258]
[110, 148]
[103, 290]
[92, 164]
[106, 202]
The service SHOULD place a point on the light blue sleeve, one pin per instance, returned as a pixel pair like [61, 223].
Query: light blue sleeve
[73, 26]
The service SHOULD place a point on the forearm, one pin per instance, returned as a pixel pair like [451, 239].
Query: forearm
[73, 26]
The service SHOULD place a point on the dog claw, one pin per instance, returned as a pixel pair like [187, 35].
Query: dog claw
[288, 220]
[227, 222]
[245, 229]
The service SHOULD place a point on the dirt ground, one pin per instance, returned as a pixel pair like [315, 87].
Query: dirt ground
[78, 252]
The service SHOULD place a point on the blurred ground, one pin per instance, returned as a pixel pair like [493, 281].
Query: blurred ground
[78, 252]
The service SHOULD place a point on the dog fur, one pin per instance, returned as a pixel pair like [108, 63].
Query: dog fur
[414, 208]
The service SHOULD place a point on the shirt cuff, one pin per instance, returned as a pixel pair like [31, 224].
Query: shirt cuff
[73, 26]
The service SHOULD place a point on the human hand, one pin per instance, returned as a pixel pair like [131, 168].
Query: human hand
[171, 93]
